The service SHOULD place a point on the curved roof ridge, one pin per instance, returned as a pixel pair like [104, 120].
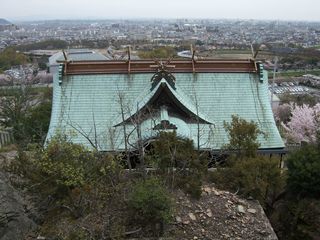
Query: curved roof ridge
[140, 104]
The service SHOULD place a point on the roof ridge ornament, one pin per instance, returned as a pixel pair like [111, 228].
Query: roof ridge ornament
[163, 72]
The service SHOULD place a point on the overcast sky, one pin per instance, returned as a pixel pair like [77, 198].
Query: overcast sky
[106, 9]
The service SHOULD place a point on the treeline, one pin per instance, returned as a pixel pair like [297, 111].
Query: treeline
[98, 43]
[44, 45]
[9, 57]
[161, 52]
[298, 57]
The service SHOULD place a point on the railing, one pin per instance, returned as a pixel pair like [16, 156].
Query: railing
[293, 146]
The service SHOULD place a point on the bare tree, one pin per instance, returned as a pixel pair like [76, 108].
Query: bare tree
[87, 135]
[121, 97]
[201, 128]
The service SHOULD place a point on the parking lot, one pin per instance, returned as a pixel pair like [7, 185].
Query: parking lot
[288, 87]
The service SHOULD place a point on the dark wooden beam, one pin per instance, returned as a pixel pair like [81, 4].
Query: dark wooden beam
[147, 66]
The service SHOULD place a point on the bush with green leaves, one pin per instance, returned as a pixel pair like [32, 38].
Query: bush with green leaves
[243, 137]
[178, 162]
[62, 165]
[65, 165]
[37, 122]
[295, 219]
[150, 202]
[258, 177]
[304, 171]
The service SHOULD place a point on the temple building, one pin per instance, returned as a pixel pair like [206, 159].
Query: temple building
[111, 104]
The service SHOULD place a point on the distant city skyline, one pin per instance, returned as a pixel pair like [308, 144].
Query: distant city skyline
[295, 10]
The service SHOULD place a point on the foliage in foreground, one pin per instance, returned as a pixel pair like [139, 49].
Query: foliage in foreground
[296, 218]
[243, 137]
[178, 162]
[73, 183]
[304, 171]
[246, 173]
[293, 205]
[150, 203]
[297, 214]
[258, 177]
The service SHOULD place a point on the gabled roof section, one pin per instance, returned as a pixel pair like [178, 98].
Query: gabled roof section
[164, 94]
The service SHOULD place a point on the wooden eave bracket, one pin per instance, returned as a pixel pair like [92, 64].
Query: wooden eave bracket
[129, 59]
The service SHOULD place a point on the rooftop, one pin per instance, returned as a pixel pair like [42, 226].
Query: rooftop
[86, 100]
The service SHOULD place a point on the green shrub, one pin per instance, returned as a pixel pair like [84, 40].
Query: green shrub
[150, 202]
[305, 221]
[191, 184]
[304, 171]
[66, 166]
[37, 122]
[63, 166]
[62, 163]
[178, 162]
[243, 137]
[258, 177]
[295, 219]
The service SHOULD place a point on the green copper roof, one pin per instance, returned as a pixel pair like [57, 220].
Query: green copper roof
[175, 95]
[88, 105]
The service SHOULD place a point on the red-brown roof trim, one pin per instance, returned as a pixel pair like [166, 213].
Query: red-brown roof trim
[148, 66]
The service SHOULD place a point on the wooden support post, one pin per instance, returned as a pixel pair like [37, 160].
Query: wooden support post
[192, 59]
[65, 62]
[64, 55]
[129, 59]
[65, 67]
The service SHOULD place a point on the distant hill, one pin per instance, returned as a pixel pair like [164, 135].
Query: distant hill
[4, 22]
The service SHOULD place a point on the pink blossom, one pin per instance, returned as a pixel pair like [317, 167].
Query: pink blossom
[303, 123]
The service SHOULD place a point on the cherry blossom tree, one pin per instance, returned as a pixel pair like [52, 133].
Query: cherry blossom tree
[283, 113]
[304, 123]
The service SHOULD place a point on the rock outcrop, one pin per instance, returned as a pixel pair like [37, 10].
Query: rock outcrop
[221, 215]
[14, 220]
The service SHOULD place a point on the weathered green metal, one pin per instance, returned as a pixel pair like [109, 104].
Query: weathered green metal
[88, 107]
